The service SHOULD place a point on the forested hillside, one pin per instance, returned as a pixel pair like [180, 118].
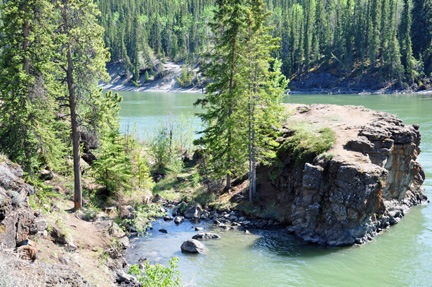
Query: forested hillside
[388, 39]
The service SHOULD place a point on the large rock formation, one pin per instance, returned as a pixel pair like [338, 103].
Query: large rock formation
[367, 181]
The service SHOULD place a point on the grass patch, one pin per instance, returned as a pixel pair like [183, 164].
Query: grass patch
[306, 144]
[43, 196]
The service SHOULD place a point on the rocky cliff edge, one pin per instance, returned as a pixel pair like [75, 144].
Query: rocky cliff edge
[365, 183]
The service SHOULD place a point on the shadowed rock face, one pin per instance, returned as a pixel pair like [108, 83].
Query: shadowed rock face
[16, 218]
[340, 201]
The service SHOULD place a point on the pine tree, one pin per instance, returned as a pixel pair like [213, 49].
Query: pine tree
[262, 90]
[113, 167]
[27, 85]
[225, 132]
[82, 57]
[374, 31]
[421, 33]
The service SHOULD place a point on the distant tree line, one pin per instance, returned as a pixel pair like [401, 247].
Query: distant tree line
[136, 30]
[390, 37]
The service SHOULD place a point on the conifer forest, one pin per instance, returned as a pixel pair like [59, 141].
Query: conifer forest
[366, 36]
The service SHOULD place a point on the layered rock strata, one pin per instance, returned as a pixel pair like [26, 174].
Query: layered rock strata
[365, 183]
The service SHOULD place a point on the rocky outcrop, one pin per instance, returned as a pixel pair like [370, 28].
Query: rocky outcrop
[17, 272]
[366, 184]
[17, 221]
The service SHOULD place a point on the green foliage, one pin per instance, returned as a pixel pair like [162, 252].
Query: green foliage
[225, 131]
[305, 145]
[161, 146]
[43, 196]
[28, 87]
[186, 76]
[142, 172]
[358, 33]
[170, 140]
[113, 167]
[144, 215]
[243, 99]
[158, 275]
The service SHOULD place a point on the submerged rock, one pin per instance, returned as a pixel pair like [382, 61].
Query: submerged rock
[205, 235]
[193, 246]
[168, 218]
[178, 219]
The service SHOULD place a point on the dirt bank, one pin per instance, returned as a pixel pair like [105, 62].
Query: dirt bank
[163, 78]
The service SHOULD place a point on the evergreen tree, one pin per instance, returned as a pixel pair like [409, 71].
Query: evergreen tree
[421, 32]
[28, 135]
[358, 33]
[225, 132]
[113, 167]
[82, 56]
[263, 90]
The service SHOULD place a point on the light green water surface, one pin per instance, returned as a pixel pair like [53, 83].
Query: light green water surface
[400, 256]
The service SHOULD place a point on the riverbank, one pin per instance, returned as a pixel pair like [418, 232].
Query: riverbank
[306, 198]
[344, 91]
[45, 242]
[165, 80]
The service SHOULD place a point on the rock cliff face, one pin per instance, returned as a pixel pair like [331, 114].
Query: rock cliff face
[368, 181]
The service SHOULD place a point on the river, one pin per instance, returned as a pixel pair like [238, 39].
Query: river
[400, 256]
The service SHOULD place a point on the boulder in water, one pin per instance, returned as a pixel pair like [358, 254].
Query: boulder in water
[193, 246]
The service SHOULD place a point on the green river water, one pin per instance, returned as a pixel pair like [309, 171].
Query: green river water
[400, 256]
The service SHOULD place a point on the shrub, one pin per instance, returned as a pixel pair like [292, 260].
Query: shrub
[158, 275]
[186, 76]
[171, 139]
[113, 167]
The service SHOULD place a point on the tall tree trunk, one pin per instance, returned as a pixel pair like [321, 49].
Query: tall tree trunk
[253, 138]
[73, 111]
[231, 88]
[75, 132]
[250, 150]
[26, 42]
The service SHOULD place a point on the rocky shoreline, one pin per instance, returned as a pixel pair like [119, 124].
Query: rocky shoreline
[364, 184]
